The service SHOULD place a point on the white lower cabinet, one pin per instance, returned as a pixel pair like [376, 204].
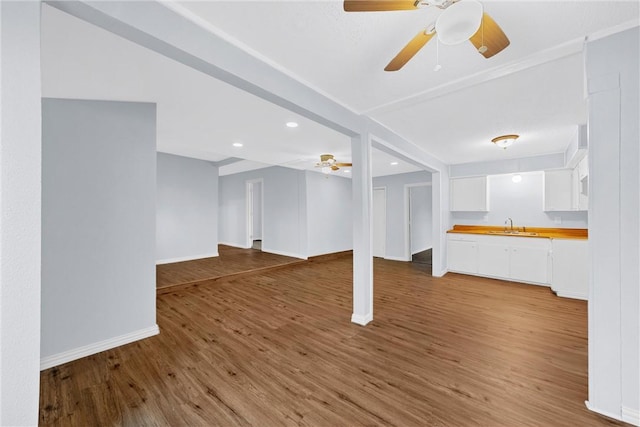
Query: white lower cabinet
[462, 255]
[521, 259]
[570, 266]
[530, 264]
[493, 259]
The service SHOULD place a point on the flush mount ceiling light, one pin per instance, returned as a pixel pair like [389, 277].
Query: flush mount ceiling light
[394, 163]
[237, 144]
[292, 124]
[505, 141]
[516, 178]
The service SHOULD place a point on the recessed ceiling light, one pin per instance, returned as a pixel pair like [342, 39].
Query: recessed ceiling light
[292, 124]
[394, 163]
[237, 144]
[347, 171]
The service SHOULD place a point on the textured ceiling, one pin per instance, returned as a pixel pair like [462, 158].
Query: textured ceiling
[534, 87]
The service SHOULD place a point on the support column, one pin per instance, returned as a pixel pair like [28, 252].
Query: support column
[20, 201]
[362, 233]
[441, 214]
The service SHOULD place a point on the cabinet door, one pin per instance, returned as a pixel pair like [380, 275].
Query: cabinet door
[462, 256]
[570, 268]
[583, 167]
[493, 260]
[529, 264]
[469, 194]
[558, 190]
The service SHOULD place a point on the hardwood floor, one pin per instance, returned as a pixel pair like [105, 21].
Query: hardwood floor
[230, 262]
[278, 349]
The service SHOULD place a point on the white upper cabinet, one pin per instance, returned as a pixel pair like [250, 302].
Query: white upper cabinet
[558, 190]
[566, 189]
[583, 168]
[469, 194]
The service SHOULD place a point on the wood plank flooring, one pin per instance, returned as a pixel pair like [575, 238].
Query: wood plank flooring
[278, 349]
[230, 262]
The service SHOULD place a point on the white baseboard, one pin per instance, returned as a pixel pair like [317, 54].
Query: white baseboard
[397, 258]
[87, 350]
[283, 253]
[573, 295]
[186, 258]
[631, 416]
[421, 250]
[630, 413]
[440, 273]
[361, 319]
[234, 245]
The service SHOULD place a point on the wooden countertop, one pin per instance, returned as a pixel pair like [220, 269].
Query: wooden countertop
[548, 233]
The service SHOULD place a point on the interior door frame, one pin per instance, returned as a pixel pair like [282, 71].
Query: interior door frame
[249, 187]
[407, 216]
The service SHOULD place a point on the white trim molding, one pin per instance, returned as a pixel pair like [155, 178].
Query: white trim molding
[284, 253]
[234, 245]
[87, 350]
[397, 258]
[628, 415]
[362, 319]
[631, 416]
[439, 273]
[573, 295]
[186, 258]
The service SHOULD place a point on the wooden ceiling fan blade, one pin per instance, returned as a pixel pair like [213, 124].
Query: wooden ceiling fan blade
[489, 39]
[379, 5]
[344, 165]
[409, 50]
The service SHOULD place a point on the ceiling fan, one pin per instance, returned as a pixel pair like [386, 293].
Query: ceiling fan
[328, 163]
[461, 20]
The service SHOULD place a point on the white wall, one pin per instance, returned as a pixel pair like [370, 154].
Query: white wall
[284, 213]
[98, 226]
[186, 210]
[421, 233]
[614, 229]
[499, 167]
[257, 211]
[523, 202]
[329, 223]
[20, 204]
[397, 214]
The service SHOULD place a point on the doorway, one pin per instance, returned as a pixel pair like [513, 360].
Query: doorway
[419, 230]
[379, 221]
[255, 208]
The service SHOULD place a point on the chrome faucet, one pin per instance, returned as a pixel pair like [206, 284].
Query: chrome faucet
[509, 220]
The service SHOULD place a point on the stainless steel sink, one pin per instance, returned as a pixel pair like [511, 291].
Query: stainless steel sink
[513, 233]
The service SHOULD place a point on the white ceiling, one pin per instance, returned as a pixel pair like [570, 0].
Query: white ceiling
[533, 88]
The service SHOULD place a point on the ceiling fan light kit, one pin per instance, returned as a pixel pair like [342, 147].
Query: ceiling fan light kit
[328, 164]
[461, 20]
[505, 141]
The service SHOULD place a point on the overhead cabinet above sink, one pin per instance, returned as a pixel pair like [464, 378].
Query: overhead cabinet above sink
[470, 194]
